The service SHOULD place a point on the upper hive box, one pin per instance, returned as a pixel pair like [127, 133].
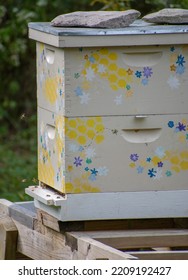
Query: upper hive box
[112, 119]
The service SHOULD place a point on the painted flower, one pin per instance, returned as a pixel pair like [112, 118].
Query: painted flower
[173, 82]
[180, 60]
[152, 172]
[147, 71]
[160, 164]
[140, 169]
[87, 168]
[101, 68]
[148, 159]
[94, 171]
[84, 98]
[78, 91]
[180, 69]
[92, 177]
[118, 100]
[134, 157]
[88, 161]
[128, 87]
[76, 75]
[168, 173]
[102, 171]
[90, 74]
[171, 124]
[145, 82]
[181, 127]
[73, 147]
[90, 152]
[172, 49]
[187, 136]
[91, 59]
[138, 74]
[160, 152]
[78, 161]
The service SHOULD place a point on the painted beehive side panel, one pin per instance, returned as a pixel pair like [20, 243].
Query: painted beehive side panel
[51, 149]
[113, 154]
[109, 154]
[50, 78]
[127, 80]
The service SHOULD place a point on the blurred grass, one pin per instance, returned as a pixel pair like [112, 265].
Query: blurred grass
[18, 160]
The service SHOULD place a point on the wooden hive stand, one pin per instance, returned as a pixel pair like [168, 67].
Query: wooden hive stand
[30, 233]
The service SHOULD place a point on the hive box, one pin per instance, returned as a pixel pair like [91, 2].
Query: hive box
[112, 120]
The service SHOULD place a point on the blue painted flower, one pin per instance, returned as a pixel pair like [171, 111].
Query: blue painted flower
[147, 71]
[60, 92]
[145, 82]
[78, 91]
[152, 172]
[94, 171]
[92, 177]
[140, 169]
[87, 168]
[172, 49]
[91, 59]
[134, 157]
[78, 161]
[148, 159]
[81, 149]
[128, 87]
[180, 60]
[138, 74]
[181, 127]
[180, 69]
[171, 124]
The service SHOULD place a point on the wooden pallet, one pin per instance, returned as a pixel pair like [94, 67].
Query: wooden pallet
[28, 233]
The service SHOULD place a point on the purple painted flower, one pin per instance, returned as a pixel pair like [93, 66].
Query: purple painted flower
[181, 127]
[171, 124]
[160, 164]
[134, 157]
[147, 71]
[78, 161]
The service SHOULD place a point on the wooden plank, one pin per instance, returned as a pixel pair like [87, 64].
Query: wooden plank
[142, 238]
[38, 246]
[22, 214]
[92, 249]
[8, 238]
[48, 220]
[160, 255]
[4, 207]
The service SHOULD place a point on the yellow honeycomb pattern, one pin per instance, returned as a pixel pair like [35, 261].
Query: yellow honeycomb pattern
[179, 161]
[46, 173]
[85, 130]
[80, 185]
[50, 89]
[105, 64]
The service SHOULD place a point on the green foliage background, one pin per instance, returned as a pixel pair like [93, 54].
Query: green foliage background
[18, 145]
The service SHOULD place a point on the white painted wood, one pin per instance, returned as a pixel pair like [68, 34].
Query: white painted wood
[130, 36]
[122, 205]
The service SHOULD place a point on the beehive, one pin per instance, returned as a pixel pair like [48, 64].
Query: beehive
[112, 114]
